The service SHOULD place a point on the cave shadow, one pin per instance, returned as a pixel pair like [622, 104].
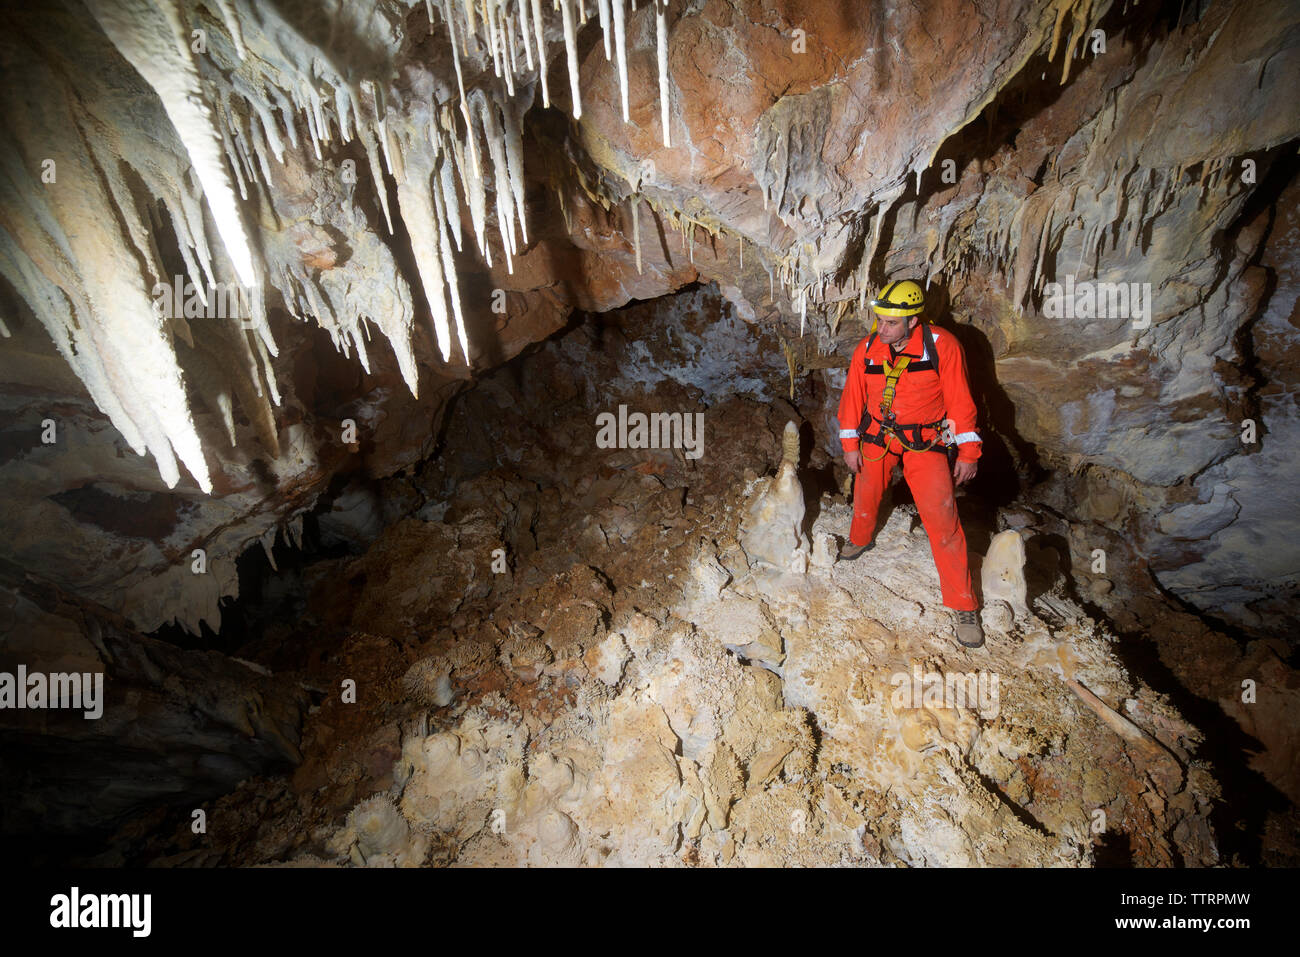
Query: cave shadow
[1238, 816]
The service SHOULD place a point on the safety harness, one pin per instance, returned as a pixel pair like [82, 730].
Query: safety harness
[888, 425]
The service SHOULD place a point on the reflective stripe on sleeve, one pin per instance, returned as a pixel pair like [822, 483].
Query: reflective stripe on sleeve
[967, 437]
[848, 433]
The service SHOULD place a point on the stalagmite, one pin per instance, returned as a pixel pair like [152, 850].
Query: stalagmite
[661, 32]
[620, 45]
[571, 52]
[771, 529]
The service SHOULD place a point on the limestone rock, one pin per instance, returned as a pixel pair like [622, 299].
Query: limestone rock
[823, 551]
[997, 615]
[1003, 573]
[773, 529]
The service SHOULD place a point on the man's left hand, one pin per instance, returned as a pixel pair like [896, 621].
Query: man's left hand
[963, 472]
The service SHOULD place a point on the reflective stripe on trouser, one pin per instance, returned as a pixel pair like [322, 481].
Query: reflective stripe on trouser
[930, 479]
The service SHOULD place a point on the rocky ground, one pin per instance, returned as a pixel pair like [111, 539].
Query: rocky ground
[567, 656]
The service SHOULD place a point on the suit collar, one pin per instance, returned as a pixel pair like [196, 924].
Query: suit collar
[914, 346]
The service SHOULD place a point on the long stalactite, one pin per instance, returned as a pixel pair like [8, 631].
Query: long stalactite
[234, 93]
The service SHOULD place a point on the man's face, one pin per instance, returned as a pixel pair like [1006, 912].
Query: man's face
[895, 329]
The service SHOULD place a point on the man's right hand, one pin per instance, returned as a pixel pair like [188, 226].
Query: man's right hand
[853, 460]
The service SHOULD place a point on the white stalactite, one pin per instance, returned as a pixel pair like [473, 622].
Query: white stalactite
[541, 52]
[232, 27]
[377, 176]
[525, 32]
[260, 151]
[620, 46]
[571, 53]
[509, 40]
[636, 230]
[514, 144]
[449, 269]
[287, 114]
[493, 133]
[317, 108]
[447, 183]
[420, 215]
[493, 43]
[155, 41]
[661, 33]
[341, 107]
[315, 134]
[478, 194]
[603, 8]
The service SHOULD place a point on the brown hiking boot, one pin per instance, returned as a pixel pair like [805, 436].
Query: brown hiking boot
[969, 632]
[851, 551]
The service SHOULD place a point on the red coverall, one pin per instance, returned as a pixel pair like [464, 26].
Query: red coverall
[922, 396]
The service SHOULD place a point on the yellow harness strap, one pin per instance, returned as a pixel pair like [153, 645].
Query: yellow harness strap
[892, 372]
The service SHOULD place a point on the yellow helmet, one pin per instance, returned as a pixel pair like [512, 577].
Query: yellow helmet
[901, 298]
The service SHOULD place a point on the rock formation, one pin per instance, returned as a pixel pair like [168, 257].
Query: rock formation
[274, 278]
[773, 532]
[1002, 576]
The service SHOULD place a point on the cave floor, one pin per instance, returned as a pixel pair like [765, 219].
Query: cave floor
[626, 689]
